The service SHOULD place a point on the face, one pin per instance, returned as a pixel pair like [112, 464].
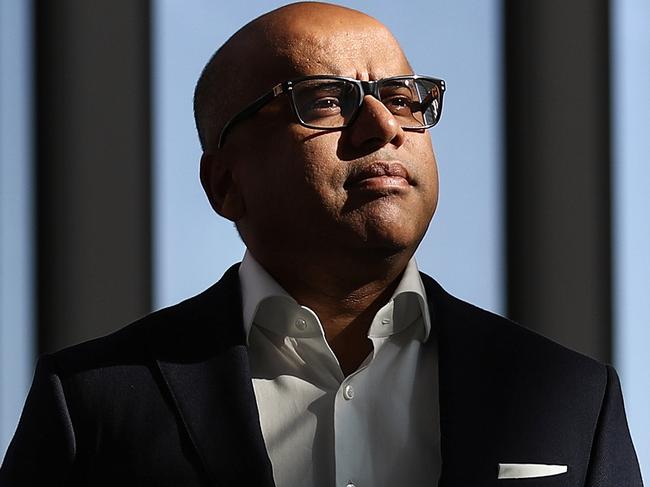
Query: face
[371, 187]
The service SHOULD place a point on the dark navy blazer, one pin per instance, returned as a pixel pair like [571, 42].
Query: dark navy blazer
[168, 401]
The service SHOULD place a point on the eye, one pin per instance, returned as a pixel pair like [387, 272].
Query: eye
[398, 98]
[324, 102]
[397, 102]
[325, 105]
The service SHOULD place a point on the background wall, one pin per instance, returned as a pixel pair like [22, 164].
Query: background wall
[630, 103]
[17, 333]
[102, 217]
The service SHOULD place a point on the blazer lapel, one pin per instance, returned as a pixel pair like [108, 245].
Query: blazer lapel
[203, 361]
[467, 391]
[504, 397]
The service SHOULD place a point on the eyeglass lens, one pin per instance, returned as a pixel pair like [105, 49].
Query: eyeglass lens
[331, 103]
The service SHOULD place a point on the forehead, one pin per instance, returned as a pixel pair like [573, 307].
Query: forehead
[367, 51]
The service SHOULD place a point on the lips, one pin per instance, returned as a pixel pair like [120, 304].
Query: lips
[379, 175]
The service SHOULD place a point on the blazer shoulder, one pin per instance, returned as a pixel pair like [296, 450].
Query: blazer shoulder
[186, 328]
[515, 394]
[464, 325]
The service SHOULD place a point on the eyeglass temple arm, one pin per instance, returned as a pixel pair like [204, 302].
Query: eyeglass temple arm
[424, 104]
[250, 110]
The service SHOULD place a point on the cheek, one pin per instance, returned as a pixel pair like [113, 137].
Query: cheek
[293, 181]
[424, 162]
[434, 182]
[323, 173]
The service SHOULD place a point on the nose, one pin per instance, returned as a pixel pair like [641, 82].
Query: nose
[375, 126]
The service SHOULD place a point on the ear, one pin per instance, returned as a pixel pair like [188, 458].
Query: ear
[221, 187]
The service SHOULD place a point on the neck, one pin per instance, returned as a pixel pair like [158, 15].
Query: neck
[345, 293]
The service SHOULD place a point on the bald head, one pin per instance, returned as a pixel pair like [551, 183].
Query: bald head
[284, 43]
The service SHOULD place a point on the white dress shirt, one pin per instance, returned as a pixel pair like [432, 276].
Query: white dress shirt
[377, 427]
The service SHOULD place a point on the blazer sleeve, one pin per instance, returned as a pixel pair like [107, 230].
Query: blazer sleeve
[613, 460]
[44, 444]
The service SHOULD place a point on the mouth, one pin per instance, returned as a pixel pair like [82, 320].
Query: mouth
[380, 176]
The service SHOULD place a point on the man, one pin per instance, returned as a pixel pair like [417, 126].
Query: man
[325, 358]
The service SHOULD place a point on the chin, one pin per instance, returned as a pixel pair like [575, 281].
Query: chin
[394, 229]
[391, 241]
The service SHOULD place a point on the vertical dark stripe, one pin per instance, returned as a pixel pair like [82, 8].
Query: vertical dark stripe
[558, 170]
[93, 167]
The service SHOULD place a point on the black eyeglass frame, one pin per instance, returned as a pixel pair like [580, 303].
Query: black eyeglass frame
[364, 87]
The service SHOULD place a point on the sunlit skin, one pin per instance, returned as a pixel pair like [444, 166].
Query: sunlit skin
[334, 216]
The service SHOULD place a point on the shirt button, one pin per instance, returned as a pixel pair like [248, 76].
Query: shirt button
[348, 392]
[350, 484]
[385, 321]
[301, 324]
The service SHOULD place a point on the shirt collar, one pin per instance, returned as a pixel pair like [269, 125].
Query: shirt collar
[406, 305]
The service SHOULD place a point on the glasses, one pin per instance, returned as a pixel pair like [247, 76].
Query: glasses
[332, 102]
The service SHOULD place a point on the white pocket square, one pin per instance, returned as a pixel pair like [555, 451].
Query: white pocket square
[529, 470]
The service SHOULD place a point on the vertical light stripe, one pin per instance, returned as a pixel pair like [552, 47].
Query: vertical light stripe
[460, 41]
[16, 200]
[631, 200]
